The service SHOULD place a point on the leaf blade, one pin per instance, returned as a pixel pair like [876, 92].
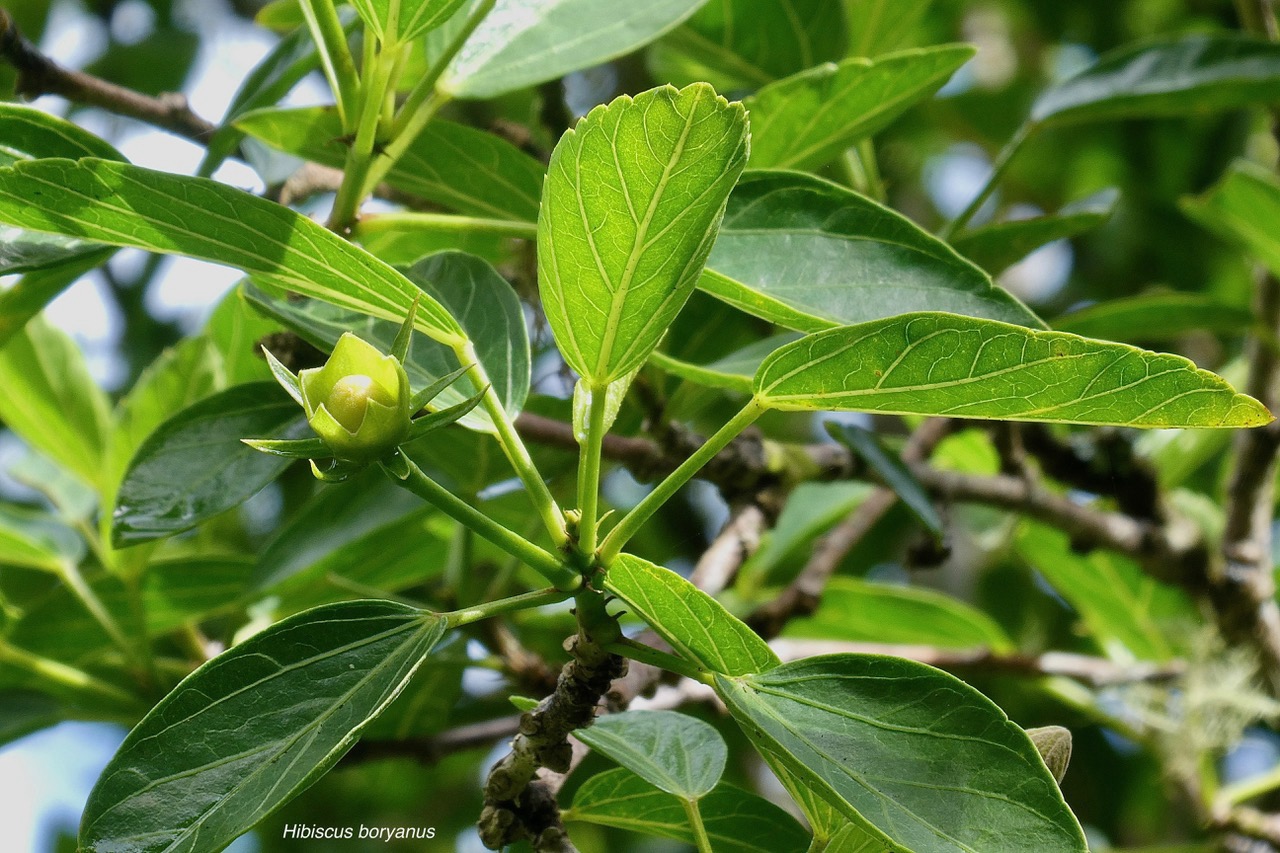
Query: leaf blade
[678, 754]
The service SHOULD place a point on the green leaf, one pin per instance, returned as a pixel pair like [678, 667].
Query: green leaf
[1243, 207]
[679, 754]
[1156, 317]
[879, 26]
[744, 44]
[808, 255]
[29, 295]
[695, 624]
[51, 402]
[399, 21]
[832, 831]
[943, 364]
[1192, 74]
[859, 611]
[1000, 245]
[31, 539]
[194, 466]
[891, 470]
[630, 208]
[126, 206]
[1118, 602]
[247, 731]
[735, 820]
[524, 42]
[809, 119]
[23, 712]
[486, 307]
[234, 329]
[733, 372]
[465, 169]
[907, 751]
[31, 134]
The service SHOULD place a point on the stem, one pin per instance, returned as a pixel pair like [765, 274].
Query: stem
[60, 673]
[488, 610]
[513, 446]
[339, 66]
[620, 535]
[695, 823]
[589, 471]
[998, 169]
[514, 544]
[443, 223]
[379, 66]
[635, 650]
[859, 164]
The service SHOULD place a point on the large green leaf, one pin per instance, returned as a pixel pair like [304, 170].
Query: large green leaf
[523, 42]
[1156, 317]
[30, 134]
[465, 169]
[51, 402]
[399, 21]
[1000, 245]
[807, 120]
[127, 206]
[735, 820]
[1188, 75]
[679, 754]
[195, 466]
[694, 623]
[744, 44]
[631, 205]
[1243, 207]
[879, 26]
[807, 254]
[487, 309]
[250, 729]
[943, 364]
[909, 752]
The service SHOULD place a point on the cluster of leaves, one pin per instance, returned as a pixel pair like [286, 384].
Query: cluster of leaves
[813, 295]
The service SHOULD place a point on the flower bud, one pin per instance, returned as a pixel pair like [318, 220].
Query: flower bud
[358, 402]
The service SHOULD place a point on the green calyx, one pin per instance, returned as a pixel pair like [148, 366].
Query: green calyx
[358, 402]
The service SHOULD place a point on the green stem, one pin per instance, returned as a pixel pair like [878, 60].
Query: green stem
[631, 523]
[662, 660]
[335, 56]
[379, 66]
[61, 674]
[489, 609]
[1250, 788]
[997, 172]
[514, 544]
[590, 446]
[695, 823]
[443, 223]
[513, 446]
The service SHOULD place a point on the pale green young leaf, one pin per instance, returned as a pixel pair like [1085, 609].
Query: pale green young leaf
[251, 728]
[809, 119]
[694, 623]
[399, 21]
[1244, 207]
[944, 364]
[524, 42]
[679, 754]
[1183, 76]
[615, 395]
[127, 206]
[465, 169]
[880, 26]
[52, 403]
[235, 328]
[1002, 244]
[808, 255]
[736, 821]
[906, 751]
[631, 205]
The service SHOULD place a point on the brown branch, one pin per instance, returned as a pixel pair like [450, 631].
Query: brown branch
[39, 75]
[430, 750]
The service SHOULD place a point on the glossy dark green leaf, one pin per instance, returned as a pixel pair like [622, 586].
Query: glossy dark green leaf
[745, 44]
[126, 206]
[486, 307]
[1000, 245]
[194, 466]
[735, 820]
[694, 623]
[809, 119]
[807, 254]
[1156, 317]
[523, 42]
[678, 754]
[1183, 76]
[891, 470]
[907, 751]
[247, 731]
[465, 169]
[859, 611]
[1244, 208]
[631, 205]
[944, 364]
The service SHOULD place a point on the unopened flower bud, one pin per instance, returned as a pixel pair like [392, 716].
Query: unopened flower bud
[358, 402]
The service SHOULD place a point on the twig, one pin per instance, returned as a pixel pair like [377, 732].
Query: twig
[739, 539]
[39, 75]
[430, 750]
